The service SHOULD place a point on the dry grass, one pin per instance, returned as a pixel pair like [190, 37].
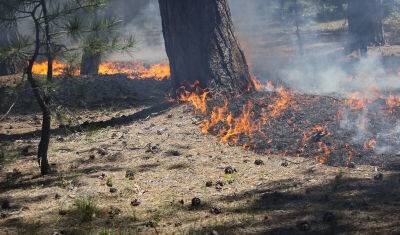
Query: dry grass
[266, 198]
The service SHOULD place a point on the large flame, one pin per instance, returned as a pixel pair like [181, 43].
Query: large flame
[133, 70]
[242, 123]
[59, 68]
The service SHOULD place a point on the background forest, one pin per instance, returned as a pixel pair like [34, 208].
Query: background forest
[199, 117]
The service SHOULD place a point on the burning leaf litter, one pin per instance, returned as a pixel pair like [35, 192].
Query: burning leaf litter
[332, 130]
[134, 70]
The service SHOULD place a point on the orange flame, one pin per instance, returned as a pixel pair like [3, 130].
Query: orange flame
[356, 101]
[392, 102]
[255, 83]
[197, 97]
[324, 149]
[132, 69]
[284, 100]
[245, 122]
[40, 68]
[370, 144]
[136, 70]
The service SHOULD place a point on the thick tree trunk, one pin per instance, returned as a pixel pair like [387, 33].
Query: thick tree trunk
[90, 63]
[201, 45]
[365, 20]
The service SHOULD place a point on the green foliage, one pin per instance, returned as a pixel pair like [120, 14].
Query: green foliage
[15, 48]
[331, 9]
[72, 62]
[392, 24]
[61, 115]
[109, 181]
[130, 173]
[104, 37]
[105, 232]
[86, 209]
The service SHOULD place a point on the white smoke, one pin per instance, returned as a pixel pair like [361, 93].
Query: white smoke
[145, 25]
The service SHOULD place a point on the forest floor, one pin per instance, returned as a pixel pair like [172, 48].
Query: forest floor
[140, 176]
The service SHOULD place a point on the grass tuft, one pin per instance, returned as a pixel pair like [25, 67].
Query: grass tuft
[109, 181]
[86, 209]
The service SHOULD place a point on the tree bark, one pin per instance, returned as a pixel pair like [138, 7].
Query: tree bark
[43, 100]
[49, 52]
[90, 63]
[201, 45]
[365, 20]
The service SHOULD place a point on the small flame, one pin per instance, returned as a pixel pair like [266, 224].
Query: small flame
[255, 83]
[284, 100]
[370, 144]
[356, 101]
[323, 149]
[392, 102]
[196, 96]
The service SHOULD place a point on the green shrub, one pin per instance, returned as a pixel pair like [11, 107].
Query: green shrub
[130, 173]
[86, 209]
[109, 181]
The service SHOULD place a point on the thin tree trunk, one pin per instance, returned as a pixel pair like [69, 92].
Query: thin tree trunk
[201, 45]
[49, 52]
[42, 100]
[90, 63]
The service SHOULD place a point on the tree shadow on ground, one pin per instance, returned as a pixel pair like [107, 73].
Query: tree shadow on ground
[113, 122]
[341, 205]
[86, 93]
[54, 179]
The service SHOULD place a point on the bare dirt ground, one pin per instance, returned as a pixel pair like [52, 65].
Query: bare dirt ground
[139, 176]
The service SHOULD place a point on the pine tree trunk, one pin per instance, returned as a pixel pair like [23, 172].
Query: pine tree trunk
[43, 100]
[201, 45]
[90, 63]
[365, 20]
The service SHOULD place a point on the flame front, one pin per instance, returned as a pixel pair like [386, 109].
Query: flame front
[59, 68]
[132, 69]
[392, 102]
[231, 126]
[136, 70]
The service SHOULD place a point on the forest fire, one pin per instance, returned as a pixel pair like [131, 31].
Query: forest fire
[133, 70]
[278, 116]
[392, 102]
[136, 70]
[229, 126]
[356, 101]
[59, 68]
